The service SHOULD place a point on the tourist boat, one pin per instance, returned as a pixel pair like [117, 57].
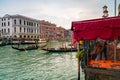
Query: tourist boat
[60, 49]
[106, 29]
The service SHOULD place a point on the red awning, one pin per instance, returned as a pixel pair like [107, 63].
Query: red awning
[104, 28]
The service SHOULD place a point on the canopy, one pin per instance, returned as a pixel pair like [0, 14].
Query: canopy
[104, 28]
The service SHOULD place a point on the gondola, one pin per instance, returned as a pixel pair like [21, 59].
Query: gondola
[2, 44]
[24, 49]
[60, 50]
[28, 48]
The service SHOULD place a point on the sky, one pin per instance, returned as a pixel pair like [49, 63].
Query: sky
[60, 12]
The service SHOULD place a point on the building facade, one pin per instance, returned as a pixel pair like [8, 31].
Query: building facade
[18, 26]
[60, 33]
[68, 35]
[48, 30]
[22, 27]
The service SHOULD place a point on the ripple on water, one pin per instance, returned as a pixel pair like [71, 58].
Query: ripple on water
[36, 65]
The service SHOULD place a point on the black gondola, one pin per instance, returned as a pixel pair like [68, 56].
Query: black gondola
[60, 50]
[28, 48]
[32, 47]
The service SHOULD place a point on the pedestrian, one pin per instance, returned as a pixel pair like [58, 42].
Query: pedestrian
[104, 51]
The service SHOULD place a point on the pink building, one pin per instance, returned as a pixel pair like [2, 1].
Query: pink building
[51, 31]
[48, 30]
[60, 33]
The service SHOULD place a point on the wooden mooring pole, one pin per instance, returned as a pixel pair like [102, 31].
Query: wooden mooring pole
[78, 69]
[78, 47]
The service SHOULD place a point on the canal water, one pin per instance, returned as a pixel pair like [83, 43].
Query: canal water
[37, 65]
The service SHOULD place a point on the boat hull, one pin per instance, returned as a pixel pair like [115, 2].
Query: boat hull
[101, 74]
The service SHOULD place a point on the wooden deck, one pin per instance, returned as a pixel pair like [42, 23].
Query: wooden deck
[101, 74]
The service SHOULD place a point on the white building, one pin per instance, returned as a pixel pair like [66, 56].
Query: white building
[18, 26]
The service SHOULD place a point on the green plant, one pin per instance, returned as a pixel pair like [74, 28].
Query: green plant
[80, 54]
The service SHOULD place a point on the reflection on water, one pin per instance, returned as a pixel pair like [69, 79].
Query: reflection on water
[36, 65]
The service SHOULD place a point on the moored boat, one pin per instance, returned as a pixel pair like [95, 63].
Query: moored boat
[60, 49]
[27, 48]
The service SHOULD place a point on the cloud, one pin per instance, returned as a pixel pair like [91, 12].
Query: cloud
[60, 12]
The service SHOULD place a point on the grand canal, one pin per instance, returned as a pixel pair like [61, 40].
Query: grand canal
[37, 65]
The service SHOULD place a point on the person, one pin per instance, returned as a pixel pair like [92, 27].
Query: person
[104, 51]
[96, 51]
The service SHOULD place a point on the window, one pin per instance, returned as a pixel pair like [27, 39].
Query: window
[4, 24]
[20, 36]
[15, 21]
[4, 19]
[24, 30]
[31, 23]
[15, 36]
[4, 30]
[20, 29]
[34, 30]
[37, 36]
[20, 21]
[8, 23]
[14, 29]
[27, 30]
[27, 23]
[24, 23]
[24, 36]
[31, 30]
[46, 32]
[8, 30]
